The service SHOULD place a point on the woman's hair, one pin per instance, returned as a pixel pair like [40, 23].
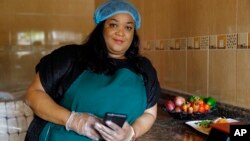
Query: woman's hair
[95, 53]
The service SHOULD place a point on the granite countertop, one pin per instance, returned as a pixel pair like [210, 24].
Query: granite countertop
[167, 128]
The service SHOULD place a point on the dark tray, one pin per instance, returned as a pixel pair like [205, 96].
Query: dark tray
[188, 116]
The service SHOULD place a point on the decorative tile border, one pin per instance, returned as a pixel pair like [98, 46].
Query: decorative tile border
[190, 43]
[196, 43]
[248, 40]
[163, 44]
[177, 44]
[183, 44]
[220, 41]
[158, 45]
[171, 44]
[243, 41]
[231, 41]
[150, 45]
[204, 42]
[212, 41]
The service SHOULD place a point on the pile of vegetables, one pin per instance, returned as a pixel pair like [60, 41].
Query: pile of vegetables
[193, 104]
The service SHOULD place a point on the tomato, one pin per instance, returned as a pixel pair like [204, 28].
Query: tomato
[201, 102]
[206, 107]
[201, 109]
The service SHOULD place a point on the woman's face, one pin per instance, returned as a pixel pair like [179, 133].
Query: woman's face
[118, 34]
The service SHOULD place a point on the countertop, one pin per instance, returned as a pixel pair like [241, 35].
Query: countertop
[166, 128]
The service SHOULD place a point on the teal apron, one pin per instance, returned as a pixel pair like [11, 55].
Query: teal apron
[124, 92]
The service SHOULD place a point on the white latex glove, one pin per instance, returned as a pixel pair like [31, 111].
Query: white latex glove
[83, 124]
[114, 132]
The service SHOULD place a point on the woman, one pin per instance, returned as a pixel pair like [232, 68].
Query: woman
[76, 85]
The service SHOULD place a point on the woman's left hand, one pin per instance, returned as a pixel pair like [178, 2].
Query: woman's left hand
[114, 132]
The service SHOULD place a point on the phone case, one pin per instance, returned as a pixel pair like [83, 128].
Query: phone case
[116, 118]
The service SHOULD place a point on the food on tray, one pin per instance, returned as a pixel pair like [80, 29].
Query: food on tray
[208, 123]
[179, 100]
[204, 126]
[204, 123]
[193, 104]
[220, 120]
[169, 105]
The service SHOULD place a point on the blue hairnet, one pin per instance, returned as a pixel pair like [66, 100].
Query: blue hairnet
[112, 7]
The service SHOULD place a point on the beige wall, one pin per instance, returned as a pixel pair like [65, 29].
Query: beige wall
[30, 29]
[223, 73]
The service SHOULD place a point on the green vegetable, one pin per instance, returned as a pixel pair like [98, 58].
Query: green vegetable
[211, 102]
[197, 98]
[193, 98]
[204, 123]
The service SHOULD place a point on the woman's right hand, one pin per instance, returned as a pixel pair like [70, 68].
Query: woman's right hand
[116, 133]
[83, 124]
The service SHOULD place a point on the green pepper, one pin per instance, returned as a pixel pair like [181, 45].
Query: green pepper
[211, 102]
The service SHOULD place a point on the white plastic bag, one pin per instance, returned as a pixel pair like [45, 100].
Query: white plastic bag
[15, 117]
[4, 96]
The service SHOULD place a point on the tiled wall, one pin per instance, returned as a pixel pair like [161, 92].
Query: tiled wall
[187, 41]
[200, 47]
[30, 29]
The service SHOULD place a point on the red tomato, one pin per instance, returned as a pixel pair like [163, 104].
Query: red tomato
[201, 109]
[206, 107]
[201, 102]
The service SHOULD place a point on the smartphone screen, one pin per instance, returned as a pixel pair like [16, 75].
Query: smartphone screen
[116, 118]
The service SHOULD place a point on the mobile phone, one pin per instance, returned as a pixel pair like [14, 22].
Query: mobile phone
[116, 118]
